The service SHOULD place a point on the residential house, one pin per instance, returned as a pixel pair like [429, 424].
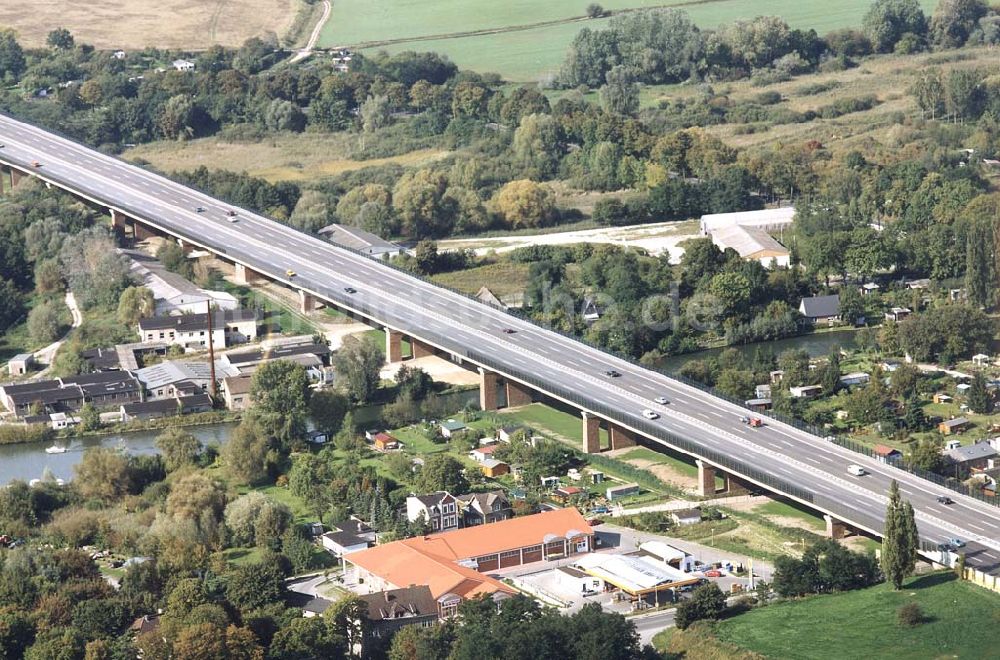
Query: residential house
[485, 295]
[941, 397]
[183, 65]
[118, 54]
[855, 378]
[451, 427]
[686, 516]
[564, 494]
[20, 364]
[805, 391]
[590, 310]
[762, 391]
[439, 509]
[977, 455]
[384, 442]
[623, 490]
[493, 468]
[897, 314]
[956, 425]
[452, 565]
[981, 360]
[918, 284]
[821, 309]
[758, 405]
[347, 536]
[359, 240]
[886, 454]
[484, 508]
[389, 611]
[483, 453]
[507, 433]
[314, 357]
[190, 331]
[236, 392]
[869, 288]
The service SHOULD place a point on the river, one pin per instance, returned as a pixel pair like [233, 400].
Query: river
[27, 461]
[816, 344]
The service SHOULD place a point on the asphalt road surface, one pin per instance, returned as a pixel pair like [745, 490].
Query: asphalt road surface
[475, 332]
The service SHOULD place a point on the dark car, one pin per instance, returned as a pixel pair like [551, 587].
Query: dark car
[200, 209]
[509, 331]
[350, 289]
[611, 373]
[944, 499]
[230, 213]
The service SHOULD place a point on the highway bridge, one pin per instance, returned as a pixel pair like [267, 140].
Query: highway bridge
[518, 361]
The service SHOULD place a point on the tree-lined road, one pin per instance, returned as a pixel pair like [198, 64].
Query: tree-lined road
[559, 366]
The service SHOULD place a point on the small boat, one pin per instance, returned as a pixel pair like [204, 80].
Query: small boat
[55, 449]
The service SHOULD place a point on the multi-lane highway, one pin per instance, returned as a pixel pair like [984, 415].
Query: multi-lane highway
[778, 456]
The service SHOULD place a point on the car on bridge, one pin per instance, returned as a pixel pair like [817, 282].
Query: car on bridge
[662, 400]
[35, 163]
[611, 373]
[350, 289]
[199, 209]
[944, 499]
[856, 470]
[290, 273]
[649, 414]
[956, 543]
[509, 331]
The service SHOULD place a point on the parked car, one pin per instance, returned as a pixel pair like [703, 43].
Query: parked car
[856, 470]
[713, 573]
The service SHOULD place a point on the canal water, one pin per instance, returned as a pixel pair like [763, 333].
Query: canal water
[27, 461]
[816, 345]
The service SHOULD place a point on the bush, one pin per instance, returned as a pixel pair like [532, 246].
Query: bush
[910, 615]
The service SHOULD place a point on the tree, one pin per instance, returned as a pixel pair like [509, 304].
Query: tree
[524, 203]
[282, 115]
[44, 322]
[888, 20]
[327, 409]
[12, 63]
[60, 39]
[376, 113]
[900, 540]
[16, 632]
[246, 455]
[954, 20]
[595, 10]
[312, 212]
[92, 267]
[280, 393]
[443, 472]
[136, 302]
[359, 363]
[620, 93]
[102, 473]
[304, 639]
[252, 586]
[706, 602]
[978, 397]
[11, 304]
[179, 448]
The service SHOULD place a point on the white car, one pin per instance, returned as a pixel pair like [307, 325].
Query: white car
[649, 414]
[662, 400]
[856, 470]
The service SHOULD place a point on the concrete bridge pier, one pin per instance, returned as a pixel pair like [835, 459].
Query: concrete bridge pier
[706, 478]
[518, 394]
[620, 437]
[307, 302]
[16, 176]
[835, 529]
[419, 349]
[489, 384]
[591, 433]
[393, 346]
[245, 275]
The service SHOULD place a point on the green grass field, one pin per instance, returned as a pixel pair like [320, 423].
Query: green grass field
[863, 624]
[530, 54]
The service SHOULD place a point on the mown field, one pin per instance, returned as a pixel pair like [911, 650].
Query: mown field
[131, 24]
[531, 54]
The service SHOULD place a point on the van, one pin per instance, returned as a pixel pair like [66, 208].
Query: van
[856, 470]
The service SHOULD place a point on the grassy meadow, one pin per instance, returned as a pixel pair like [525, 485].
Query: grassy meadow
[523, 53]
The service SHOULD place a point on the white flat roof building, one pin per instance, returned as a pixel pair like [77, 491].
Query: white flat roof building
[764, 219]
